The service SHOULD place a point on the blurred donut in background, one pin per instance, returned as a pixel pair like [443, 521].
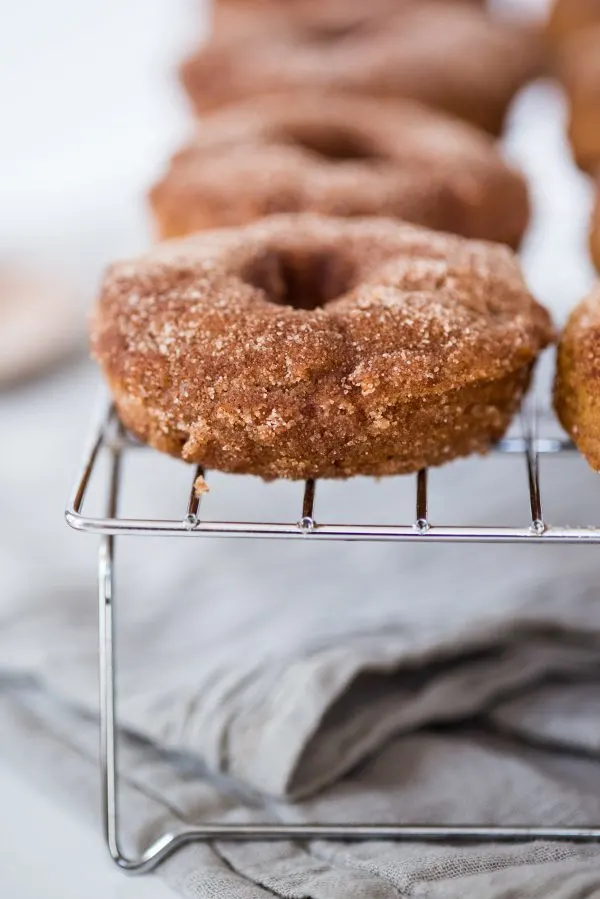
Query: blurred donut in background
[449, 55]
[244, 17]
[363, 157]
[579, 70]
[569, 16]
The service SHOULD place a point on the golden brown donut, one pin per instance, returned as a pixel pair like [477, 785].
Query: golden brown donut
[364, 157]
[448, 55]
[577, 385]
[304, 346]
[568, 16]
[579, 67]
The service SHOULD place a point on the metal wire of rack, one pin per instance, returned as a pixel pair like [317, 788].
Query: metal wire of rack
[107, 437]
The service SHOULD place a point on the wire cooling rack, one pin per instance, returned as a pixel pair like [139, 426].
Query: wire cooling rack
[108, 439]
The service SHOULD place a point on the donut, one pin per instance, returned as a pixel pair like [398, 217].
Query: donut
[568, 16]
[595, 225]
[365, 157]
[448, 55]
[577, 384]
[245, 17]
[579, 68]
[303, 346]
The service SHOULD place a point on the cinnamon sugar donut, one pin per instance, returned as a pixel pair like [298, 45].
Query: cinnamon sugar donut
[303, 346]
[579, 65]
[244, 17]
[577, 385]
[448, 55]
[364, 157]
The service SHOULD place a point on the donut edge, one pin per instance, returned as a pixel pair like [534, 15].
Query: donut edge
[577, 385]
[477, 415]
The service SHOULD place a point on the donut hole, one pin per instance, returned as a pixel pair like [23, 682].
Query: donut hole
[331, 32]
[332, 143]
[301, 278]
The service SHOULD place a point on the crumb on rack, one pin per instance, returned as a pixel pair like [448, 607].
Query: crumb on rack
[200, 486]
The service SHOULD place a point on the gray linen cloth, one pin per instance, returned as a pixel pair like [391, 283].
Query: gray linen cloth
[288, 681]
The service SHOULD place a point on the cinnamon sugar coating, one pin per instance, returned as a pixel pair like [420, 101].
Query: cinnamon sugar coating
[577, 384]
[346, 156]
[304, 346]
[448, 55]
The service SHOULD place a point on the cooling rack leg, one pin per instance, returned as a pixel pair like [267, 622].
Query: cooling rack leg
[108, 734]
[168, 843]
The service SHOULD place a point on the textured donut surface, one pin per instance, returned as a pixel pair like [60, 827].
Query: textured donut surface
[304, 346]
[448, 55]
[577, 385]
[344, 156]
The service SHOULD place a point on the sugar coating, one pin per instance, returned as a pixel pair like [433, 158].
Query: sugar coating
[421, 351]
[577, 384]
[393, 158]
[449, 55]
